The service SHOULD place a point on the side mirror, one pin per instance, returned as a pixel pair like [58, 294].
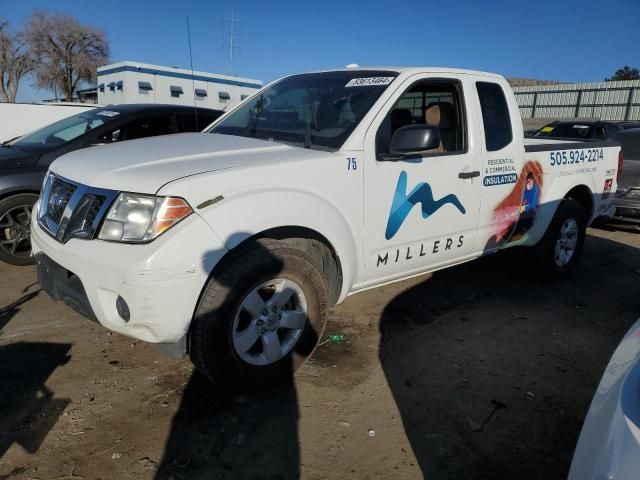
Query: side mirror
[413, 139]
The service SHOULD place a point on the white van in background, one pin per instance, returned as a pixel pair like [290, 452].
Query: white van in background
[17, 119]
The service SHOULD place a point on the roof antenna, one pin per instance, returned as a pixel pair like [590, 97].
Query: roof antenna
[193, 80]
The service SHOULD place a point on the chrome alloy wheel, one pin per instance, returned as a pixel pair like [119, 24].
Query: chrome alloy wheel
[566, 242]
[269, 321]
[15, 231]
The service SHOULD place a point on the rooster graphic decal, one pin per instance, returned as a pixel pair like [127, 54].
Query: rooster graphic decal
[403, 203]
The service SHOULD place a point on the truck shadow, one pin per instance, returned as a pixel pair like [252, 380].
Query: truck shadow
[29, 409]
[493, 371]
[214, 435]
[222, 435]
[9, 311]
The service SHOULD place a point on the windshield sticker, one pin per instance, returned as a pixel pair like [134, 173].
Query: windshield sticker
[369, 81]
[108, 113]
[547, 129]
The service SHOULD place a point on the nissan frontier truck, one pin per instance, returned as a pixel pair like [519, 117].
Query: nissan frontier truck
[231, 244]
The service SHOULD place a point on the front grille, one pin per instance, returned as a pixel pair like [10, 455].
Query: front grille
[95, 202]
[72, 210]
[59, 197]
[83, 217]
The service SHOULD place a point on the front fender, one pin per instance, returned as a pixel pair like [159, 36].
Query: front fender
[20, 180]
[242, 215]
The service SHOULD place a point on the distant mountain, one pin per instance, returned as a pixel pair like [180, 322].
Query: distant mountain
[528, 82]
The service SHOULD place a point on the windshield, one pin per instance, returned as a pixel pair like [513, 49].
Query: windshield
[315, 110]
[563, 130]
[66, 129]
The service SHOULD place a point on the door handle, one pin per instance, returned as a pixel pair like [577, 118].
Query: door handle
[465, 175]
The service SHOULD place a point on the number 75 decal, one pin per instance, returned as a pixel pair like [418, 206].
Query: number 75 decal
[352, 163]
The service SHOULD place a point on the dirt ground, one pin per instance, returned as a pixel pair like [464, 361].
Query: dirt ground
[475, 372]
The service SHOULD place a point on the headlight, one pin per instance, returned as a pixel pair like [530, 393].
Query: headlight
[141, 218]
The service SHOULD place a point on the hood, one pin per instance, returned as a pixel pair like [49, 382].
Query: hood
[16, 157]
[145, 165]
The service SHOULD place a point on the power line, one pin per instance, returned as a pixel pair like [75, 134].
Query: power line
[232, 34]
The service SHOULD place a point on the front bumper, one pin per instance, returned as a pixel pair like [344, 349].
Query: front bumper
[61, 284]
[160, 281]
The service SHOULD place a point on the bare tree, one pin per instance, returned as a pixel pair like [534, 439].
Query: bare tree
[15, 62]
[66, 52]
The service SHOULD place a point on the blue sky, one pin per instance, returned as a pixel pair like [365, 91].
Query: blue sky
[568, 40]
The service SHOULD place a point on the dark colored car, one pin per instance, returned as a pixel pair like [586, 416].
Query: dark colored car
[627, 199]
[25, 160]
[585, 129]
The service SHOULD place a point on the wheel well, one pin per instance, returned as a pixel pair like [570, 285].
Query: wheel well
[315, 245]
[18, 192]
[583, 196]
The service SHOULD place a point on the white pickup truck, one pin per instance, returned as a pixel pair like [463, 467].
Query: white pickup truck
[231, 244]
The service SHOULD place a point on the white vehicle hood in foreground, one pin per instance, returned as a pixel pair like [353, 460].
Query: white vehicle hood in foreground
[609, 444]
[145, 165]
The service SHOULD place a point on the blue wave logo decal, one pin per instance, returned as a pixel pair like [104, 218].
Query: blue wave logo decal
[403, 203]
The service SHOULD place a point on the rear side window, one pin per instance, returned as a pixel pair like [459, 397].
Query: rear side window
[495, 116]
[188, 121]
[147, 127]
[206, 119]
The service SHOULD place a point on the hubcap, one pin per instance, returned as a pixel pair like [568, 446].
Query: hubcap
[15, 231]
[566, 242]
[269, 321]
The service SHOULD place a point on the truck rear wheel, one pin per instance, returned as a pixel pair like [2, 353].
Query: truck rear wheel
[259, 317]
[560, 248]
[15, 228]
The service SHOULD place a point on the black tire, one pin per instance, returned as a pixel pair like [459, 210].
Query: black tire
[545, 258]
[211, 335]
[15, 227]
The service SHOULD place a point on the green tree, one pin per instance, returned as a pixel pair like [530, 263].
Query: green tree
[625, 73]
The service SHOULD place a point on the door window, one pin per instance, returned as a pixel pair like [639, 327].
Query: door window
[434, 103]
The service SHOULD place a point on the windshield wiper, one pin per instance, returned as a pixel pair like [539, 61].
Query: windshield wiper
[7, 143]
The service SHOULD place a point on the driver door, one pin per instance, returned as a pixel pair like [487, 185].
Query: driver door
[421, 211]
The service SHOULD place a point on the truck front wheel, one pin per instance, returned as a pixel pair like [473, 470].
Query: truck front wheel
[259, 317]
[558, 251]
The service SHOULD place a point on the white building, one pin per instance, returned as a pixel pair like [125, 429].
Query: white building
[132, 82]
